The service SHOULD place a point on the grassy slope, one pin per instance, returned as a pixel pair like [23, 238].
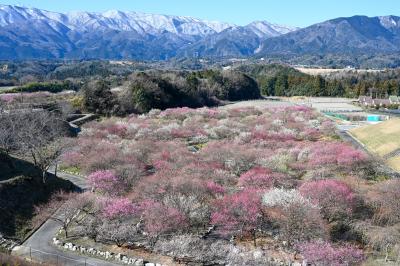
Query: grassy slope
[381, 139]
[394, 162]
[20, 190]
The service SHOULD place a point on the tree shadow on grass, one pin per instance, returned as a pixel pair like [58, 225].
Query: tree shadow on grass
[11, 167]
[21, 188]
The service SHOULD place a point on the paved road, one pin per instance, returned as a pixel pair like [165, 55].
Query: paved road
[78, 181]
[39, 246]
[344, 134]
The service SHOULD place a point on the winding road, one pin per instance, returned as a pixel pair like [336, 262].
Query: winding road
[39, 246]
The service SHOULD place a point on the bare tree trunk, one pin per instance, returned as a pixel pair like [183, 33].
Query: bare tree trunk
[34, 158]
[386, 253]
[154, 240]
[254, 238]
[44, 176]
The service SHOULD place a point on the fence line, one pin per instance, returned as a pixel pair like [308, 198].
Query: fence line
[52, 258]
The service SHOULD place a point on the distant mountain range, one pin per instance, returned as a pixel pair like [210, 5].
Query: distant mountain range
[34, 33]
[30, 33]
[354, 35]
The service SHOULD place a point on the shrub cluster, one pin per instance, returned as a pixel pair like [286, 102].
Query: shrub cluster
[161, 90]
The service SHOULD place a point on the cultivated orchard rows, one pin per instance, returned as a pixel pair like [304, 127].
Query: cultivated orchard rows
[239, 186]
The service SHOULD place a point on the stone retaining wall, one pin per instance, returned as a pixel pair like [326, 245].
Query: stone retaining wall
[106, 255]
[7, 244]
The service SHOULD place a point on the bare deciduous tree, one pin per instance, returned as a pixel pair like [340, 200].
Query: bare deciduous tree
[67, 212]
[40, 137]
[34, 133]
[384, 239]
[7, 138]
[118, 232]
[386, 202]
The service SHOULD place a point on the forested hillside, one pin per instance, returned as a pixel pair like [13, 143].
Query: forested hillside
[130, 87]
[281, 80]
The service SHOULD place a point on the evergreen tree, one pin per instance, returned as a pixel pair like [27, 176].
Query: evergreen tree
[281, 85]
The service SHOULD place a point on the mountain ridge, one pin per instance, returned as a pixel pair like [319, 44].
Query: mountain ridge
[345, 35]
[31, 33]
[74, 34]
[111, 17]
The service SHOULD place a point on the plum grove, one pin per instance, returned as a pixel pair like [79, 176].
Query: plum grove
[249, 174]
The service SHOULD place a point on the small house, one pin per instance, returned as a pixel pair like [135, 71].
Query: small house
[380, 102]
[394, 99]
[365, 100]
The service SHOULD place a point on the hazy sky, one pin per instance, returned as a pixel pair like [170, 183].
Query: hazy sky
[290, 12]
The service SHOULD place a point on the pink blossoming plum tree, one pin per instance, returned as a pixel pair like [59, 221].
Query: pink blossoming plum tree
[106, 182]
[325, 254]
[338, 154]
[238, 214]
[160, 219]
[118, 208]
[258, 177]
[333, 196]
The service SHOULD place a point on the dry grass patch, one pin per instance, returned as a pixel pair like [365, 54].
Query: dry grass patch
[382, 138]
[394, 163]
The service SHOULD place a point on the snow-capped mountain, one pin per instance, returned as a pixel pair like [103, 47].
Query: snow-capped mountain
[266, 29]
[36, 33]
[143, 23]
[390, 22]
[114, 20]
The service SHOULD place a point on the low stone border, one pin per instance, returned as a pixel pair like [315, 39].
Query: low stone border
[118, 257]
[71, 173]
[7, 244]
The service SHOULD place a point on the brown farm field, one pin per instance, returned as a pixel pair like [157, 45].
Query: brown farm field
[327, 71]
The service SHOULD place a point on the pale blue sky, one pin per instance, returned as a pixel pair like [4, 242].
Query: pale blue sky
[290, 12]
